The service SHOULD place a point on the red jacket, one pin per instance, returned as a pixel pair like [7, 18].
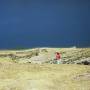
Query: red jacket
[58, 56]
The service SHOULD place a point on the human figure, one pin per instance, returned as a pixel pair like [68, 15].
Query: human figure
[58, 58]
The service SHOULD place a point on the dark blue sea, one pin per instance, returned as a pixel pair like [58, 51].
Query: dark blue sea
[44, 23]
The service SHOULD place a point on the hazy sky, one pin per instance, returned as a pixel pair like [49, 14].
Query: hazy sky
[34, 23]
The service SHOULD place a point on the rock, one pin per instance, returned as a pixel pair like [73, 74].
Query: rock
[38, 59]
[83, 61]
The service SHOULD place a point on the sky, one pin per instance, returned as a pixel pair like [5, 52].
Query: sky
[44, 23]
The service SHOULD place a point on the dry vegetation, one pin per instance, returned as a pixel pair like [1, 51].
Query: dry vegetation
[28, 76]
[44, 77]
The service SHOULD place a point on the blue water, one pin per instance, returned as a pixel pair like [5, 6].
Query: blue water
[44, 23]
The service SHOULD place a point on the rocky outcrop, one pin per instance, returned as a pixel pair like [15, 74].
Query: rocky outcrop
[85, 61]
[47, 55]
[38, 59]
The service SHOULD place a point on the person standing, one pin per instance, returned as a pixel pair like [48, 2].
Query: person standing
[58, 58]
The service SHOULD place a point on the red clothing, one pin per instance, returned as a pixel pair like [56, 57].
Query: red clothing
[58, 56]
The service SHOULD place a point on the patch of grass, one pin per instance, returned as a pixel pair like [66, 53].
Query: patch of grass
[43, 77]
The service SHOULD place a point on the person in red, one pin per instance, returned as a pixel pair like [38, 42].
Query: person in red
[58, 57]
